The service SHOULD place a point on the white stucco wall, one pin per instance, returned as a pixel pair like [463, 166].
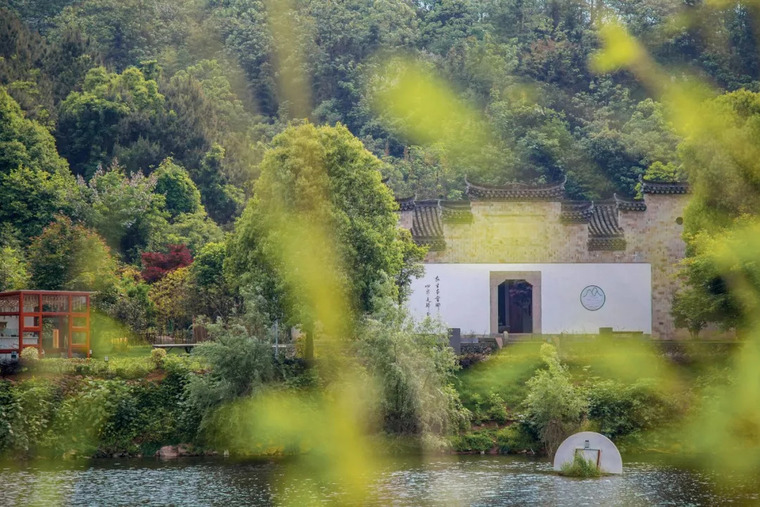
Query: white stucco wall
[465, 300]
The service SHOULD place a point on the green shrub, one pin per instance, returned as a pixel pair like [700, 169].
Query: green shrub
[9, 412]
[75, 416]
[238, 365]
[514, 439]
[183, 365]
[296, 374]
[128, 368]
[554, 408]
[26, 409]
[477, 407]
[413, 368]
[622, 410]
[80, 420]
[505, 373]
[491, 409]
[580, 467]
[158, 356]
[497, 409]
[480, 441]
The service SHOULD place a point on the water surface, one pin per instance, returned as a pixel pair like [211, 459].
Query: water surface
[455, 480]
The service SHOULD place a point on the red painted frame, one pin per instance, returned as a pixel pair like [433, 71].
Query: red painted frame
[40, 314]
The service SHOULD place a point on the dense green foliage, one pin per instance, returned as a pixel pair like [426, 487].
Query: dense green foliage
[722, 162]
[69, 256]
[549, 399]
[249, 133]
[408, 376]
[554, 407]
[239, 366]
[166, 110]
[181, 76]
[413, 368]
[174, 183]
[320, 217]
[629, 411]
[24, 142]
[14, 273]
[108, 411]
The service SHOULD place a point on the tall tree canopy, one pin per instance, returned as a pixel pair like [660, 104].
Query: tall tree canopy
[723, 162]
[25, 142]
[320, 215]
[196, 90]
[109, 115]
[69, 256]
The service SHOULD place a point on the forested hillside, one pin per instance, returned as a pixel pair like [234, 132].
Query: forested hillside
[138, 127]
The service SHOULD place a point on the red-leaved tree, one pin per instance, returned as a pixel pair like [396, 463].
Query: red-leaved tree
[157, 264]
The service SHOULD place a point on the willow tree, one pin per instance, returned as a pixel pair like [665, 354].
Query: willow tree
[319, 239]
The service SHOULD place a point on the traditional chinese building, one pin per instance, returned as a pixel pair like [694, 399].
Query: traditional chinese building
[524, 259]
[57, 323]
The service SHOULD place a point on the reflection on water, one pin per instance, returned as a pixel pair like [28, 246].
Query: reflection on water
[464, 480]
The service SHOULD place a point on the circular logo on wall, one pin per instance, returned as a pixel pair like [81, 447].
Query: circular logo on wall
[593, 298]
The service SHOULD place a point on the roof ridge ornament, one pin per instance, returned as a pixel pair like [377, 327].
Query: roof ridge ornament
[406, 203]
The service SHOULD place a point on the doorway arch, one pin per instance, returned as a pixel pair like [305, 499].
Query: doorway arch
[515, 302]
[515, 306]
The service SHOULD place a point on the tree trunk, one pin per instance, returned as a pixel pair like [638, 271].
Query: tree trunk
[308, 353]
[309, 350]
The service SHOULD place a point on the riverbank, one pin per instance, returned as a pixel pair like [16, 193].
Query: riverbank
[135, 404]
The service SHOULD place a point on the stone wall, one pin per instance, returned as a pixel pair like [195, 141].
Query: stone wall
[655, 236]
[506, 232]
[532, 232]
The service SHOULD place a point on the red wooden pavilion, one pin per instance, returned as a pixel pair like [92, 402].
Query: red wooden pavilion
[57, 323]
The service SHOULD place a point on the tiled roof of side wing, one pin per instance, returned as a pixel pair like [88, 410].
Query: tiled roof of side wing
[603, 222]
[653, 187]
[576, 212]
[629, 204]
[517, 191]
[427, 220]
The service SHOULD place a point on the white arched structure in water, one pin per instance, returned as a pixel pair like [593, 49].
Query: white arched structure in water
[592, 446]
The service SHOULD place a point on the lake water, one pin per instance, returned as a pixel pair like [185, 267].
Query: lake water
[455, 480]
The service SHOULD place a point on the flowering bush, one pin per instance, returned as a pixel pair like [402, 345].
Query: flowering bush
[30, 354]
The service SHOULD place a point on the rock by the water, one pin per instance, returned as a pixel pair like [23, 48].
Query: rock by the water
[167, 452]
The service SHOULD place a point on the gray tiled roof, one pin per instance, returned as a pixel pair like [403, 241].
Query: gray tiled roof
[576, 212]
[603, 221]
[517, 191]
[427, 228]
[630, 204]
[651, 187]
[604, 231]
